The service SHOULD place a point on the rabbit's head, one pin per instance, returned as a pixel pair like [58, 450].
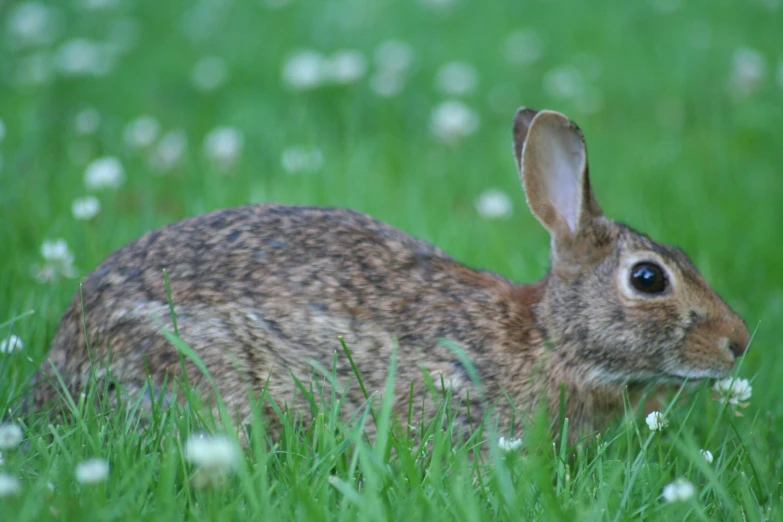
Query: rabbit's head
[623, 307]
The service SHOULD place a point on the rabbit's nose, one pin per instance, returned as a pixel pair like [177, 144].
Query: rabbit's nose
[739, 340]
[736, 348]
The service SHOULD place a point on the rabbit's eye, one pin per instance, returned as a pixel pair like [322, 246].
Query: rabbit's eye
[648, 278]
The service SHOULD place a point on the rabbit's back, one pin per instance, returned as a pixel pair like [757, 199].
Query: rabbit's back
[261, 290]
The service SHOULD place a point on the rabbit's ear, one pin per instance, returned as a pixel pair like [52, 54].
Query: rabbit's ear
[553, 167]
[522, 121]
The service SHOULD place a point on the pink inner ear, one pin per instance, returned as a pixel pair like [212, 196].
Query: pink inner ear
[562, 165]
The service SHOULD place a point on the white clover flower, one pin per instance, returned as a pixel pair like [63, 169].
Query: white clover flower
[2, 130]
[34, 69]
[300, 158]
[457, 78]
[10, 436]
[347, 66]
[217, 454]
[170, 150]
[453, 120]
[564, 82]
[736, 391]
[87, 121]
[9, 485]
[102, 173]
[748, 70]
[707, 454]
[394, 56]
[678, 491]
[11, 344]
[509, 445]
[92, 471]
[56, 251]
[387, 83]
[209, 73]
[141, 132]
[30, 24]
[494, 204]
[305, 70]
[656, 421]
[524, 46]
[81, 57]
[223, 145]
[85, 208]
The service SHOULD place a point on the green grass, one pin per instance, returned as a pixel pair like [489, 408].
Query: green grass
[707, 180]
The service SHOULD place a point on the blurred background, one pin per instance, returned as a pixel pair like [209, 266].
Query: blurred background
[118, 116]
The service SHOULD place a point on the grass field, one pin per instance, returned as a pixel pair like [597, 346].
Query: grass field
[681, 104]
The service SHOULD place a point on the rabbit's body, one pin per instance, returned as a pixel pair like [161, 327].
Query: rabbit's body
[260, 292]
[297, 279]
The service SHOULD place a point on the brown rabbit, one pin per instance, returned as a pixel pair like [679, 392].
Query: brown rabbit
[261, 291]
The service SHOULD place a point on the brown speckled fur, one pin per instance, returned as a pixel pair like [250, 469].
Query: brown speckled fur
[263, 290]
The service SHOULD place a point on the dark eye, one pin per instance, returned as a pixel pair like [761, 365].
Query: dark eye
[648, 278]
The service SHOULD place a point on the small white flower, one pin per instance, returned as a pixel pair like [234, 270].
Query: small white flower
[707, 454]
[87, 121]
[92, 471]
[736, 391]
[305, 70]
[678, 491]
[564, 82]
[59, 261]
[494, 204]
[387, 83]
[394, 56]
[209, 73]
[56, 251]
[456, 78]
[223, 145]
[10, 436]
[81, 57]
[347, 66]
[2, 130]
[104, 172]
[656, 421]
[509, 445]
[11, 344]
[85, 208]
[524, 47]
[170, 150]
[453, 120]
[141, 132]
[300, 158]
[216, 454]
[748, 70]
[31, 23]
[9, 485]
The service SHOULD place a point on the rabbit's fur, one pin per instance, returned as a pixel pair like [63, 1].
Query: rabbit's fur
[261, 291]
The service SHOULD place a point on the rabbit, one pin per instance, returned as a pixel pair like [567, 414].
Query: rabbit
[261, 291]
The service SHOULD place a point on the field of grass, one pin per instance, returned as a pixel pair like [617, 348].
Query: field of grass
[681, 104]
